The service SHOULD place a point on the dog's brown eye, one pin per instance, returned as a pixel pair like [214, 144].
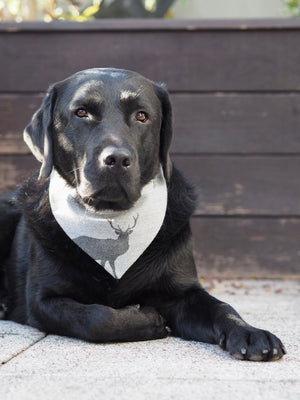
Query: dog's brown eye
[142, 116]
[81, 113]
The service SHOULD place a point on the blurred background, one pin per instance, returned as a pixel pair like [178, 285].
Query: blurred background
[82, 10]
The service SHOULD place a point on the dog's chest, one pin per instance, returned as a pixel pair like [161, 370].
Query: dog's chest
[115, 240]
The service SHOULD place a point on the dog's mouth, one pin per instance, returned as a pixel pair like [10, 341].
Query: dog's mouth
[99, 202]
[108, 189]
[110, 198]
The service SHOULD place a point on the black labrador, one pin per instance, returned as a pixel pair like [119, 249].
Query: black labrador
[48, 282]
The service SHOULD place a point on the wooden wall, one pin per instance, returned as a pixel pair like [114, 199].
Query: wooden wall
[235, 89]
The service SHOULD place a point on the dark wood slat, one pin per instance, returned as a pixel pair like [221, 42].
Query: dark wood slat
[236, 185]
[237, 123]
[186, 60]
[12, 143]
[224, 247]
[154, 24]
[228, 185]
[254, 247]
[214, 123]
[16, 111]
[14, 169]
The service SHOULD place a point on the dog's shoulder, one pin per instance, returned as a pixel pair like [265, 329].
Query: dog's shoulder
[182, 201]
[41, 228]
[33, 200]
[10, 215]
[38, 220]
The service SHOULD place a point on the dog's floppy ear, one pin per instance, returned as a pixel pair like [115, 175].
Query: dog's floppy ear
[166, 130]
[38, 134]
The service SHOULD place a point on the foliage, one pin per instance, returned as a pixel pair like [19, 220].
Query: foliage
[294, 7]
[81, 10]
[48, 10]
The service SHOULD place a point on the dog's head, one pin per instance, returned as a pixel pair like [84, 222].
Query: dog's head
[106, 131]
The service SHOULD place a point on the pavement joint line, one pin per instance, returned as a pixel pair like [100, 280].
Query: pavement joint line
[21, 351]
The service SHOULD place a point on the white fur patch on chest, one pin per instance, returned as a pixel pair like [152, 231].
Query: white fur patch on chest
[114, 239]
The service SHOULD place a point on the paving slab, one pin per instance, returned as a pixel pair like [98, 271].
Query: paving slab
[52, 367]
[16, 338]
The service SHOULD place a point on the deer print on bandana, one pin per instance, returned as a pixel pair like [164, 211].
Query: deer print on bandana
[114, 239]
[108, 250]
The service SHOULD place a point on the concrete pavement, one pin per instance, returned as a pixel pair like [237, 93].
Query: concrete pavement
[46, 367]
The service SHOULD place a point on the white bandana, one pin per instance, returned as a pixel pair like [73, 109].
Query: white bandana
[114, 239]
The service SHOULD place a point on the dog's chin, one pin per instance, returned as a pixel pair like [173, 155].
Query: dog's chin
[102, 205]
[103, 200]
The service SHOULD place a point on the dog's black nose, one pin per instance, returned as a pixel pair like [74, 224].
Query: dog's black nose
[115, 157]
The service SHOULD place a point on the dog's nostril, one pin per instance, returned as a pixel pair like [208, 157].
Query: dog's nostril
[110, 161]
[126, 162]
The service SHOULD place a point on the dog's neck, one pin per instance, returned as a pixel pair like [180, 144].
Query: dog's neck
[114, 239]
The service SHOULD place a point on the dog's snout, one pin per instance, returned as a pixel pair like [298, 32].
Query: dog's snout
[115, 157]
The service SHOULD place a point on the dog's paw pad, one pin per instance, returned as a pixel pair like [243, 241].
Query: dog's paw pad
[249, 343]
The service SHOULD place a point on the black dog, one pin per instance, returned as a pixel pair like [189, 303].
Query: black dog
[106, 132]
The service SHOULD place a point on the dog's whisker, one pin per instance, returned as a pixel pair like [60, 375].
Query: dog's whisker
[74, 170]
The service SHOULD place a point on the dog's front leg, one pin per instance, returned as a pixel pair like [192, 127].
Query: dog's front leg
[199, 316]
[94, 322]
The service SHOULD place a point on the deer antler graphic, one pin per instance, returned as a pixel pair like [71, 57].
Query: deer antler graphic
[129, 230]
[108, 250]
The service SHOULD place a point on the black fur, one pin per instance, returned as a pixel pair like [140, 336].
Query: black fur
[50, 283]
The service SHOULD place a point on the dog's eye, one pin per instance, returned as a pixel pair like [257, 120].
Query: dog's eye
[142, 116]
[81, 113]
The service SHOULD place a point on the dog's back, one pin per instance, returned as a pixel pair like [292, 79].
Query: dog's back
[9, 218]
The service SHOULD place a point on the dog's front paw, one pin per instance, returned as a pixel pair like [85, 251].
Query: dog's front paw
[3, 310]
[157, 324]
[249, 343]
[146, 323]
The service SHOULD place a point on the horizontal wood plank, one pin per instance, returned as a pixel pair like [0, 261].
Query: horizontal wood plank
[243, 60]
[227, 185]
[117, 24]
[16, 111]
[237, 185]
[224, 246]
[14, 169]
[251, 247]
[203, 123]
[236, 123]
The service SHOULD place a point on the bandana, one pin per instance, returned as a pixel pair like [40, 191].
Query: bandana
[114, 239]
